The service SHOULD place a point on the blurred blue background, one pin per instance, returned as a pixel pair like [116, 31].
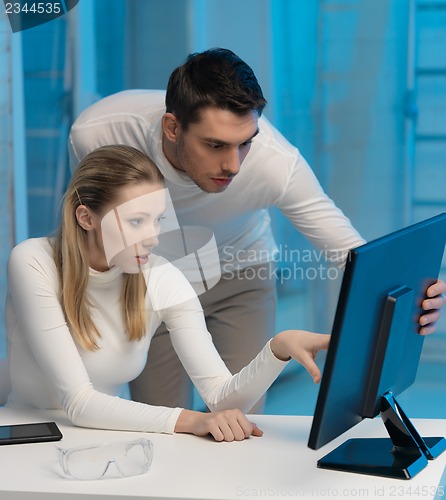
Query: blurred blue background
[359, 86]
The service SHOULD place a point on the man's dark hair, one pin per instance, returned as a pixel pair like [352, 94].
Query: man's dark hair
[216, 77]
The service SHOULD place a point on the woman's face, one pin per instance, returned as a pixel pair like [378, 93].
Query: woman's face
[126, 231]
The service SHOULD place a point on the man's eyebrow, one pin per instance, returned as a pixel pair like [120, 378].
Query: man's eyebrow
[224, 143]
[253, 135]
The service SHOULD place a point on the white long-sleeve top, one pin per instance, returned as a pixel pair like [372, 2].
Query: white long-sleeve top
[49, 369]
[273, 173]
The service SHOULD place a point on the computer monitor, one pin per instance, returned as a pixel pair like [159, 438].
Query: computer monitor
[375, 350]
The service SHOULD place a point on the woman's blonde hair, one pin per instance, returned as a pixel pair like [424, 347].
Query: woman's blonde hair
[95, 184]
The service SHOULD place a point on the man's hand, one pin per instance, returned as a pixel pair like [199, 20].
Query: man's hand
[432, 304]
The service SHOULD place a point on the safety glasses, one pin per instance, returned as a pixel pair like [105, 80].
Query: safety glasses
[122, 459]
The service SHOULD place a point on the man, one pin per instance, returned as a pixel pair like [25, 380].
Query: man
[224, 166]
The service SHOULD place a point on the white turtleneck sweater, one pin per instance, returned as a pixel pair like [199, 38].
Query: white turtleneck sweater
[49, 370]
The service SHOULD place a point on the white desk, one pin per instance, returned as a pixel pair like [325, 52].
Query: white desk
[278, 465]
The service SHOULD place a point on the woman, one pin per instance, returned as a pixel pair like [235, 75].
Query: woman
[82, 308]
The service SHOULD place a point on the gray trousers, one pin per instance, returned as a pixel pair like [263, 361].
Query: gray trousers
[240, 314]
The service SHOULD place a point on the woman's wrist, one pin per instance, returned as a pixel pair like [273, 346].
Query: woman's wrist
[278, 347]
[185, 421]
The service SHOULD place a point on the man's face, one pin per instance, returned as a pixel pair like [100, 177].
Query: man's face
[212, 150]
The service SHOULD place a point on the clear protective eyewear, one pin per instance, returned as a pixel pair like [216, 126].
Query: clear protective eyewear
[130, 458]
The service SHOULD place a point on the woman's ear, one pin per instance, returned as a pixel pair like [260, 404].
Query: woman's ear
[84, 218]
[170, 127]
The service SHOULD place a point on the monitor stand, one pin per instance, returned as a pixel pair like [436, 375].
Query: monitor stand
[401, 456]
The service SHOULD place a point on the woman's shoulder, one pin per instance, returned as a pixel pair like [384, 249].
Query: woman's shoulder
[42, 244]
[32, 249]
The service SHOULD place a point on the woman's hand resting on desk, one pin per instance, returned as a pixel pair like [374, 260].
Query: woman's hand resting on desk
[301, 346]
[226, 425]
